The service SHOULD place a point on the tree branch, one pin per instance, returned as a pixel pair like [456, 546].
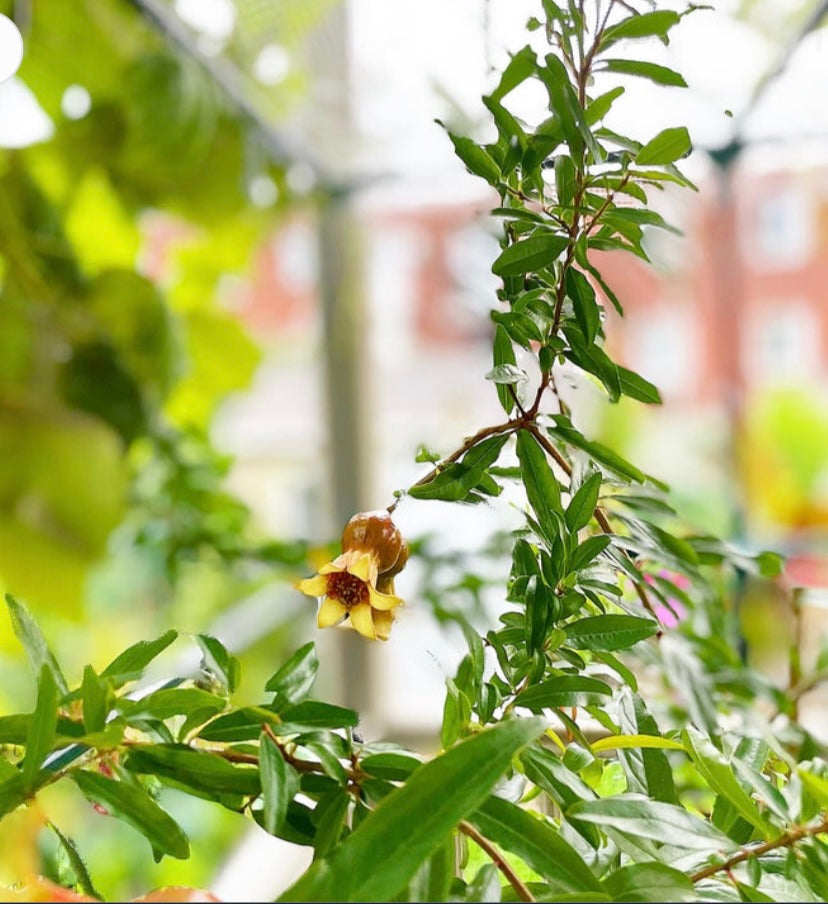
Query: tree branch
[788, 839]
[498, 859]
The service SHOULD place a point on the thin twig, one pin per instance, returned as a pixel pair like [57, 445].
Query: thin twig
[789, 838]
[498, 859]
[506, 427]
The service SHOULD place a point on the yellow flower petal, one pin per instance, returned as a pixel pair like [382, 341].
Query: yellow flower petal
[332, 567]
[364, 567]
[382, 624]
[315, 586]
[331, 612]
[382, 601]
[363, 621]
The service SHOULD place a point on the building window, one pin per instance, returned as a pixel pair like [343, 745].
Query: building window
[783, 232]
[783, 343]
[663, 346]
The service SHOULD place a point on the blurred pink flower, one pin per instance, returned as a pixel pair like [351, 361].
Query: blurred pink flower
[671, 615]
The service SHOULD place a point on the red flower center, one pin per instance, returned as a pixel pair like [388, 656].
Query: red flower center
[347, 589]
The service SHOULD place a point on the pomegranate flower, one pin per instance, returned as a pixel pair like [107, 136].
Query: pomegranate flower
[359, 584]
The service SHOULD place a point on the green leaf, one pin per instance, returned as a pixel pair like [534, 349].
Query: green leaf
[412, 821]
[667, 147]
[563, 101]
[134, 806]
[478, 161]
[12, 793]
[587, 310]
[41, 734]
[94, 696]
[718, 774]
[542, 486]
[634, 815]
[280, 783]
[243, 724]
[329, 817]
[816, 785]
[220, 661]
[313, 714]
[294, 678]
[609, 632]
[132, 662]
[395, 767]
[518, 69]
[84, 880]
[649, 882]
[582, 505]
[645, 25]
[661, 75]
[503, 354]
[455, 481]
[507, 374]
[195, 769]
[587, 551]
[13, 729]
[172, 701]
[636, 387]
[648, 769]
[537, 252]
[565, 690]
[642, 741]
[34, 643]
[600, 453]
[598, 108]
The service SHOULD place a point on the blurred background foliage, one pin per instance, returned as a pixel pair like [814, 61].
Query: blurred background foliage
[120, 236]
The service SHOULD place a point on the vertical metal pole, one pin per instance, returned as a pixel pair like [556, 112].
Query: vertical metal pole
[342, 301]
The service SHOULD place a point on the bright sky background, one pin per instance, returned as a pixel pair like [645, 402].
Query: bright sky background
[416, 61]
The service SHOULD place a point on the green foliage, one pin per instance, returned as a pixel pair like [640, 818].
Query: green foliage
[612, 789]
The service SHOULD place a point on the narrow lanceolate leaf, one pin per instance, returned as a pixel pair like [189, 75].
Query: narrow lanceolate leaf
[294, 678]
[635, 816]
[12, 793]
[648, 769]
[196, 769]
[412, 821]
[636, 387]
[133, 805]
[587, 551]
[565, 690]
[456, 481]
[609, 632]
[94, 694]
[666, 147]
[503, 353]
[222, 663]
[41, 734]
[649, 882]
[78, 865]
[644, 742]
[582, 505]
[519, 68]
[536, 252]
[719, 775]
[661, 75]
[646, 25]
[173, 701]
[542, 486]
[34, 643]
[536, 842]
[132, 662]
[280, 782]
[477, 160]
